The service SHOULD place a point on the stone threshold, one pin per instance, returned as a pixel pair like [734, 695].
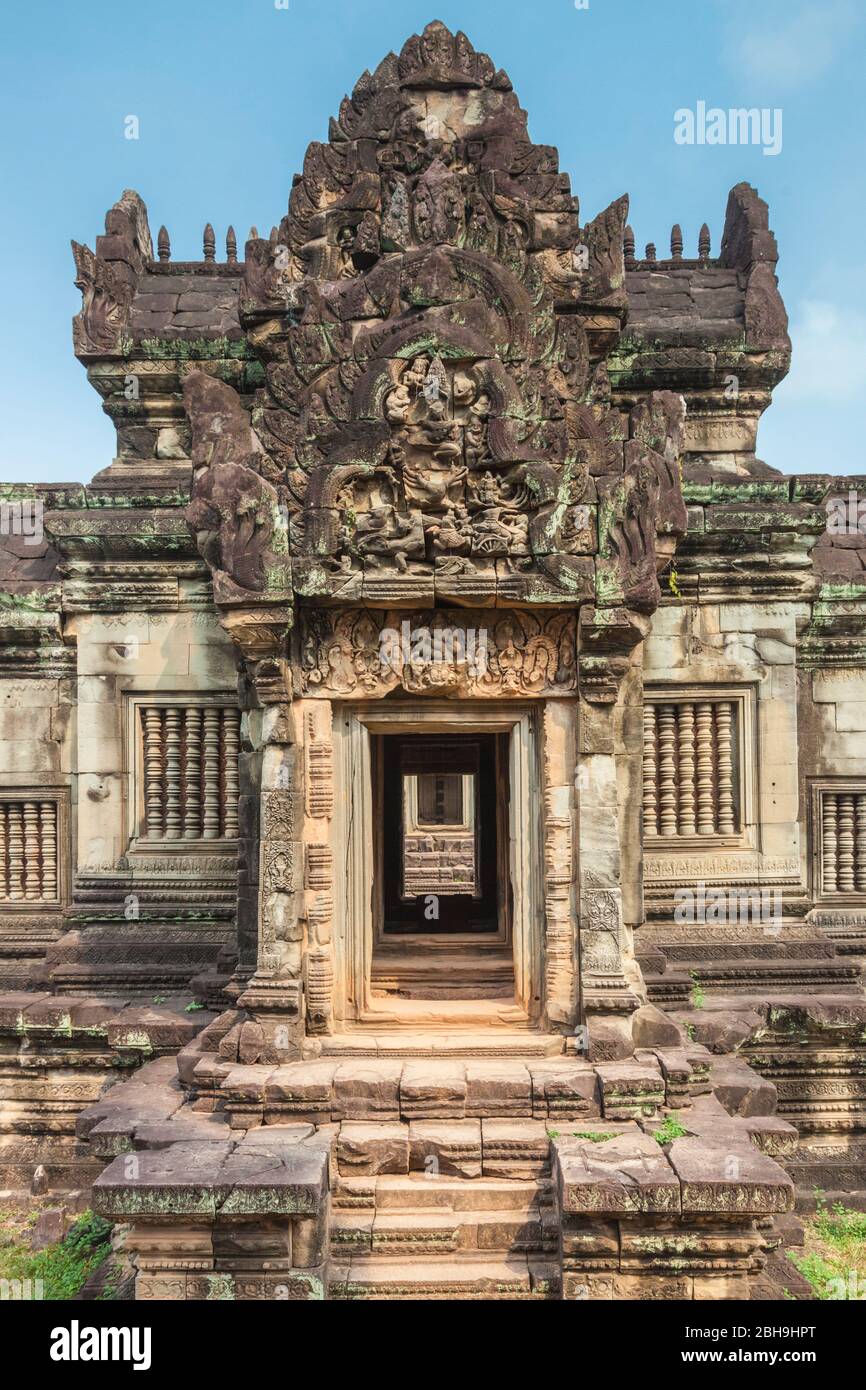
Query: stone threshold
[465, 1043]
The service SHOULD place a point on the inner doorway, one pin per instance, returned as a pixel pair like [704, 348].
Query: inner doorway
[442, 890]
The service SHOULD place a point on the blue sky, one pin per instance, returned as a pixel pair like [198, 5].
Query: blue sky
[228, 94]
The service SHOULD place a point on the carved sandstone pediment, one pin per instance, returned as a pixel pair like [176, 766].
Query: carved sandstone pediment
[433, 323]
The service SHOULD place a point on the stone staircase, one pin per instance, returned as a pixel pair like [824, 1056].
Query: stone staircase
[471, 1216]
[445, 1176]
[427, 1236]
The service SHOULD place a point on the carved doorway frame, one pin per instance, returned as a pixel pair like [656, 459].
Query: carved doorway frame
[354, 838]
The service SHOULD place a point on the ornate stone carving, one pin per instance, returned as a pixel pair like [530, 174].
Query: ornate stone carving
[320, 766]
[435, 424]
[107, 279]
[319, 989]
[600, 927]
[107, 300]
[234, 512]
[280, 873]
[453, 653]
[281, 814]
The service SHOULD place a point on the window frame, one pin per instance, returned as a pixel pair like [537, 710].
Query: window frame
[744, 699]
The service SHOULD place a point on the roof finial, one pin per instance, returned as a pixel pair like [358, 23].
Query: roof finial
[231, 247]
[209, 243]
[163, 245]
[704, 243]
[650, 253]
[677, 242]
[628, 244]
[254, 234]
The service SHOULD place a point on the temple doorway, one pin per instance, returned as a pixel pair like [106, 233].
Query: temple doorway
[439, 907]
[443, 896]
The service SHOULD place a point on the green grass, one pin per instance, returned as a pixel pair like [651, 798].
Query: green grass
[670, 1130]
[62, 1268]
[833, 1259]
[595, 1136]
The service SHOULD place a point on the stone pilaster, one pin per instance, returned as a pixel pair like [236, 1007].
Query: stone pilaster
[605, 790]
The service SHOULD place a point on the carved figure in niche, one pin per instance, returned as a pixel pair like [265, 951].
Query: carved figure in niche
[439, 206]
[513, 242]
[346, 243]
[396, 231]
[366, 250]
[480, 225]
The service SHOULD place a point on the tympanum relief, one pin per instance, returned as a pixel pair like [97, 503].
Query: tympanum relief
[432, 323]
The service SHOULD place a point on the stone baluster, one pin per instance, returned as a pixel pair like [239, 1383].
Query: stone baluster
[667, 770]
[173, 818]
[48, 838]
[16, 852]
[704, 243]
[192, 800]
[231, 746]
[704, 740]
[209, 243]
[650, 772]
[846, 844]
[829, 843]
[211, 774]
[231, 247]
[676, 242]
[163, 245]
[860, 845]
[32, 886]
[650, 252]
[153, 782]
[724, 745]
[4, 850]
[687, 769]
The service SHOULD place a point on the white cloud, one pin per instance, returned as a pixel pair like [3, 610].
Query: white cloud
[829, 353]
[790, 48]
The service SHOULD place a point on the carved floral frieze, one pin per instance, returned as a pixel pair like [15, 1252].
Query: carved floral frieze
[452, 653]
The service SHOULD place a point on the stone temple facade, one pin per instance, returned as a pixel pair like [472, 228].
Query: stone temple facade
[438, 691]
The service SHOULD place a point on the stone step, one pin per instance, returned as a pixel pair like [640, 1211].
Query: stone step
[769, 975]
[464, 1148]
[417, 1191]
[741, 1090]
[443, 974]
[448, 1277]
[441, 1231]
[448, 1041]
